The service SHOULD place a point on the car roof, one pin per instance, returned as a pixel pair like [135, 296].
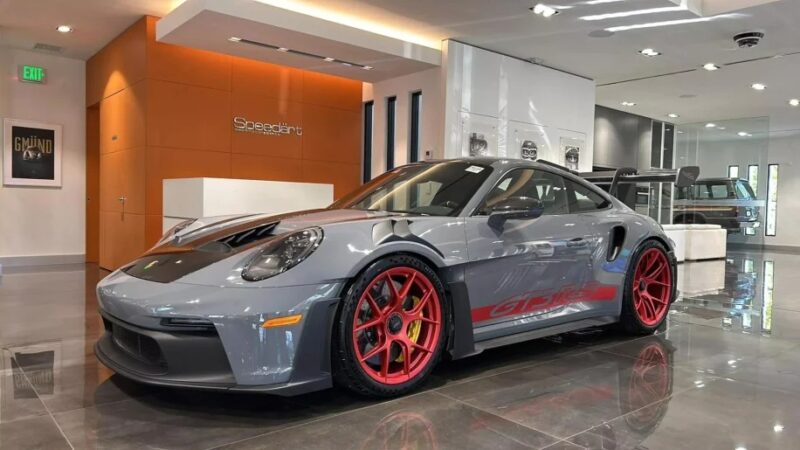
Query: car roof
[719, 179]
[509, 163]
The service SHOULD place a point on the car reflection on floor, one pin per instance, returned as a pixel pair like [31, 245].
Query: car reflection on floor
[736, 292]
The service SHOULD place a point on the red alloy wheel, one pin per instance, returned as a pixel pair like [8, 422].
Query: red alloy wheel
[652, 286]
[397, 325]
[649, 384]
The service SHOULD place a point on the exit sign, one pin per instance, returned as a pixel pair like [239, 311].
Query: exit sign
[32, 74]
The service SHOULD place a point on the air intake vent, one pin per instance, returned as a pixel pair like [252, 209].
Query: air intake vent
[48, 48]
[245, 237]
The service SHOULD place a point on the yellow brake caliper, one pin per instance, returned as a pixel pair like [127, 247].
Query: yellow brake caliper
[414, 329]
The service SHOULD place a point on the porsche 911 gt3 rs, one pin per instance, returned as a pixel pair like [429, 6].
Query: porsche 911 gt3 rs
[432, 259]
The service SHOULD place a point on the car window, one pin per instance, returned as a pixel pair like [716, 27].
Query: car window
[744, 191]
[719, 191]
[545, 186]
[584, 199]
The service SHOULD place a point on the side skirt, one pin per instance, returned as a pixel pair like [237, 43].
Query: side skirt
[543, 332]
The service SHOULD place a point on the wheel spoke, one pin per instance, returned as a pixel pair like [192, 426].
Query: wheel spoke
[369, 324]
[386, 354]
[656, 272]
[406, 287]
[416, 312]
[376, 310]
[427, 320]
[406, 357]
[375, 350]
[420, 348]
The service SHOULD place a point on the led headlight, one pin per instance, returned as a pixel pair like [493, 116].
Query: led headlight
[174, 230]
[282, 254]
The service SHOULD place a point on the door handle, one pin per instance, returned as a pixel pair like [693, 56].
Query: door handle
[576, 242]
[122, 200]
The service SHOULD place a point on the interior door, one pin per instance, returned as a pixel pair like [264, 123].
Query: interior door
[527, 274]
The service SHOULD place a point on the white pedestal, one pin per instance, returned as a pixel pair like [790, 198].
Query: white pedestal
[698, 242]
[193, 198]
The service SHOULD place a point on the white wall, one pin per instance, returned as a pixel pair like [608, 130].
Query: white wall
[784, 149]
[508, 94]
[429, 82]
[46, 221]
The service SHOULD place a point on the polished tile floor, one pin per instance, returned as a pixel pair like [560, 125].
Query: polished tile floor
[724, 374]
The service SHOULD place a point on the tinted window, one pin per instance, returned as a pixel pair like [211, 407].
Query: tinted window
[584, 199]
[440, 189]
[544, 186]
[744, 191]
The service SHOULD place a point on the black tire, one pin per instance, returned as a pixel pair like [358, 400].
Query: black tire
[347, 372]
[630, 322]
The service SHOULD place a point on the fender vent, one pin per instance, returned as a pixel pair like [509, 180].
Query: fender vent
[245, 237]
[615, 242]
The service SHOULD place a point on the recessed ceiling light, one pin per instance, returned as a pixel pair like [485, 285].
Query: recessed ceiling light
[759, 86]
[636, 12]
[744, 134]
[64, 29]
[710, 67]
[777, 428]
[347, 64]
[794, 102]
[721, 128]
[649, 52]
[626, 103]
[367, 67]
[673, 115]
[234, 39]
[544, 10]
[711, 125]
[329, 59]
[282, 49]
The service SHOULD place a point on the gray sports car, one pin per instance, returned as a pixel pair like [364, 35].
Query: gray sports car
[427, 260]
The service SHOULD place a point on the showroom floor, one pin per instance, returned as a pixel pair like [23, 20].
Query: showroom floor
[724, 375]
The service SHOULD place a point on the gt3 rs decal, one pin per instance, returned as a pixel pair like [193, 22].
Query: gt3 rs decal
[530, 303]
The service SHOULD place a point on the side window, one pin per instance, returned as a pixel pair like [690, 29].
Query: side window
[584, 199]
[544, 186]
[720, 191]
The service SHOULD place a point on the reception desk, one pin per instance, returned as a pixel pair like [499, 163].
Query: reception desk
[192, 198]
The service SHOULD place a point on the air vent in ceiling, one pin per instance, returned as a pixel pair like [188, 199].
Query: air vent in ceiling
[47, 48]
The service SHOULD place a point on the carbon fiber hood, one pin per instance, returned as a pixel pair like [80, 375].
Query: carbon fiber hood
[210, 240]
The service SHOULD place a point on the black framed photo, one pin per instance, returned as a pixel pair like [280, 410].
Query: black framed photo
[31, 153]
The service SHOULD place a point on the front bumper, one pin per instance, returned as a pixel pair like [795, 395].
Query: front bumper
[233, 352]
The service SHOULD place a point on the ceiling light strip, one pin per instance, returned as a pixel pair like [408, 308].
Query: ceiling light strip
[302, 53]
[637, 12]
[646, 78]
[665, 23]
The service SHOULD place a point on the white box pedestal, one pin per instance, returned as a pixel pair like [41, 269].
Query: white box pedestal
[193, 198]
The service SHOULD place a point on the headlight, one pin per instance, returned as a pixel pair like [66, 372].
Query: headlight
[173, 231]
[282, 254]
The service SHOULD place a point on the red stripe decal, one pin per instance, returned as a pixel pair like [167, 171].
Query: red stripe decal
[526, 303]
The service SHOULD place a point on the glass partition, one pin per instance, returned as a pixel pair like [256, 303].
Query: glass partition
[731, 155]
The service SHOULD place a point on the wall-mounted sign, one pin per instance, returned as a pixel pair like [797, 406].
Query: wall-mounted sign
[31, 153]
[241, 124]
[32, 74]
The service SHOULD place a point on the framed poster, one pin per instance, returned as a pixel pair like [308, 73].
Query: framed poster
[31, 153]
[571, 149]
[529, 142]
[478, 135]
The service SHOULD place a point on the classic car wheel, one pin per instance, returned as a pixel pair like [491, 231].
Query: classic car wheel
[648, 289]
[391, 328]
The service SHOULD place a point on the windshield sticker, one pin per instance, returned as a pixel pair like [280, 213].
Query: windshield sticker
[474, 169]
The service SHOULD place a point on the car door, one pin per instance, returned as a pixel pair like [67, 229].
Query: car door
[525, 275]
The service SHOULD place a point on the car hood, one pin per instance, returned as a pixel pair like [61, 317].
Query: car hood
[210, 240]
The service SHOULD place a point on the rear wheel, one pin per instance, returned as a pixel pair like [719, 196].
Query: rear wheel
[391, 328]
[649, 287]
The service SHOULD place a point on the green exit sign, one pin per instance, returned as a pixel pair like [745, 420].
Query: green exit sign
[32, 74]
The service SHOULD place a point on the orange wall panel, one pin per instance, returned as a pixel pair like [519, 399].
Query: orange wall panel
[190, 117]
[344, 177]
[118, 65]
[266, 110]
[122, 174]
[331, 135]
[152, 229]
[266, 80]
[253, 167]
[165, 163]
[123, 238]
[122, 118]
[328, 90]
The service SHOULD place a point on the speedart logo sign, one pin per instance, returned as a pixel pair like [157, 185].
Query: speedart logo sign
[530, 303]
[242, 125]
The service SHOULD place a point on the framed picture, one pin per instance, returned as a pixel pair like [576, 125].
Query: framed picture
[528, 142]
[478, 135]
[571, 148]
[31, 153]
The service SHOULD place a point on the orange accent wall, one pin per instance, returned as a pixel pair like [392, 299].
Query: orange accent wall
[167, 112]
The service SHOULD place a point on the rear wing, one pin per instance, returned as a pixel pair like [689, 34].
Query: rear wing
[683, 177]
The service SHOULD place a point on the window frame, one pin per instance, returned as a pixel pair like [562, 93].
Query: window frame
[391, 131]
[415, 126]
[476, 211]
[368, 133]
[769, 195]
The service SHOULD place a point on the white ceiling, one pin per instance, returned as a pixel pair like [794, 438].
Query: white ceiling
[507, 26]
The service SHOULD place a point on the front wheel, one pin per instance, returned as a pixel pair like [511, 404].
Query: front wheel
[649, 287]
[391, 328]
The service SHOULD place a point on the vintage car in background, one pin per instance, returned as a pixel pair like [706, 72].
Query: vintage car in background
[728, 202]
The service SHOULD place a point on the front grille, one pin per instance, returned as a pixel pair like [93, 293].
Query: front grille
[140, 347]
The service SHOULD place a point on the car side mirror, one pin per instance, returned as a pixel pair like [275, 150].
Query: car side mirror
[514, 208]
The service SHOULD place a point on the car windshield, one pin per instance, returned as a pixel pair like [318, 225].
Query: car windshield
[438, 189]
